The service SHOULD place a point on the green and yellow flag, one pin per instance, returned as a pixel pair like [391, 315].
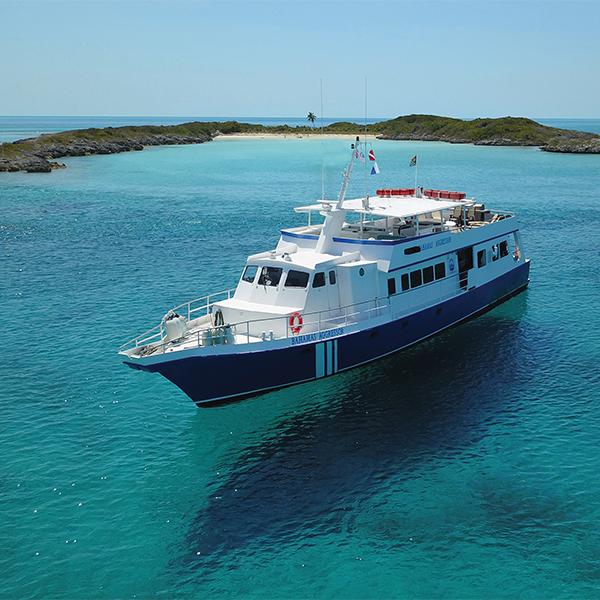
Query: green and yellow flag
[413, 161]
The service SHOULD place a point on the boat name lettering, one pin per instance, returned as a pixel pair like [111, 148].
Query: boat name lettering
[444, 240]
[427, 246]
[315, 337]
[302, 339]
[331, 333]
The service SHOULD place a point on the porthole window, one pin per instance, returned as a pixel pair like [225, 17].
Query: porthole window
[361, 271]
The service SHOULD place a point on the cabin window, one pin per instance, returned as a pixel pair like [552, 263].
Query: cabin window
[270, 276]
[416, 279]
[405, 284]
[440, 271]
[391, 286]
[503, 249]
[319, 280]
[481, 258]
[250, 273]
[495, 252]
[428, 274]
[412, 250]
[332, 277]
[297, 279]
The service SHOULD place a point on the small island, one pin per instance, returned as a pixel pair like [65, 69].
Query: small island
[36, 155]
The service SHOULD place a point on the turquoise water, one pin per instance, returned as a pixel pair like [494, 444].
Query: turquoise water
[465, 467]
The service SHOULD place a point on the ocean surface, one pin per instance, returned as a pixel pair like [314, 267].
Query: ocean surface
[465, 467]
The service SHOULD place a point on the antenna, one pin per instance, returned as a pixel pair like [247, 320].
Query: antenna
[365, 144]
[322, 149]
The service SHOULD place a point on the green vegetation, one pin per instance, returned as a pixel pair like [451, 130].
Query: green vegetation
[33, 154]
[507, 130]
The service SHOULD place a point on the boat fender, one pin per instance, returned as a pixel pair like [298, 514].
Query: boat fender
[296, 323]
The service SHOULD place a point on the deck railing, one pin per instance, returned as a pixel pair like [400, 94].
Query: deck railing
[313, 323]
[191, 310]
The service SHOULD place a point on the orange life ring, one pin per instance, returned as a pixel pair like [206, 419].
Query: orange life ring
[296, 323]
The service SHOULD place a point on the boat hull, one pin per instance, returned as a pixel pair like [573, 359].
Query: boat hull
[221, 377]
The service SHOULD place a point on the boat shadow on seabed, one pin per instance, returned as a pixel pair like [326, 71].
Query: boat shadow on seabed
[387, 419]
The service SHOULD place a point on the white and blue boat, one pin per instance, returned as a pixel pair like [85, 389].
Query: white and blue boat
[380, 273]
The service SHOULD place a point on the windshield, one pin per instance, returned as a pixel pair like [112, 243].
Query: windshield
[250, 273]
[270, 276]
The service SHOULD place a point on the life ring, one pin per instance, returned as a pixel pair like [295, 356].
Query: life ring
[296, 323]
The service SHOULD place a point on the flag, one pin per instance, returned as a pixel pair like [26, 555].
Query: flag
[371, 155]
[360, 155]
[413, 161]
[375, 169]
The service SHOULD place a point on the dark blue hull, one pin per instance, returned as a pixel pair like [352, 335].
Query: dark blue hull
[220, 377]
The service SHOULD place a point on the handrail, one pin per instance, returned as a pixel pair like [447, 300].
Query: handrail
[142, 340]
[345, 316]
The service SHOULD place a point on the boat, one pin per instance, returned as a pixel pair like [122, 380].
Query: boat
[378, 274]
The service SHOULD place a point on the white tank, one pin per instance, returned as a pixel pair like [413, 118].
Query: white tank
[175, 327]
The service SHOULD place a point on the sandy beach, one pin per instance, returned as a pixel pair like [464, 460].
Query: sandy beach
[312, 136]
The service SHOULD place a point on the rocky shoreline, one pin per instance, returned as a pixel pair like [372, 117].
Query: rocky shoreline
[48, 148]
[37, 155]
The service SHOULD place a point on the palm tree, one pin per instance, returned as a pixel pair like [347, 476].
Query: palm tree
[312, 118]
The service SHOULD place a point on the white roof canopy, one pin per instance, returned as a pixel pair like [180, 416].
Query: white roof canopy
[395, 206]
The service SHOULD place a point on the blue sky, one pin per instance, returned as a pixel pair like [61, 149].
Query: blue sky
[227, 58]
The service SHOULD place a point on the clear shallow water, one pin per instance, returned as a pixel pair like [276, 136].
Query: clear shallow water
[466, 467]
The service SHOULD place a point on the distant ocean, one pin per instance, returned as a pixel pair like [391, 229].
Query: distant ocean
[465, 467]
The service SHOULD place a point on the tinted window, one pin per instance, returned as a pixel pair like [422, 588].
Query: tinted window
[332, 277]
[495, 252]
[481, 258]
[416, 279]
[427, 274]
[412, 250]
[391, 286]
[297, 279]
[270, 276]
[404, 280]
[319, 280]
[440, 270]
[250, 273]
[503, 249]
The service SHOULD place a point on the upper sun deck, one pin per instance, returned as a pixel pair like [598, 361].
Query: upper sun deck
[388, 216]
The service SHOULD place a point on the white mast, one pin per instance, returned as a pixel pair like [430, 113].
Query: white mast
[334, 216]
